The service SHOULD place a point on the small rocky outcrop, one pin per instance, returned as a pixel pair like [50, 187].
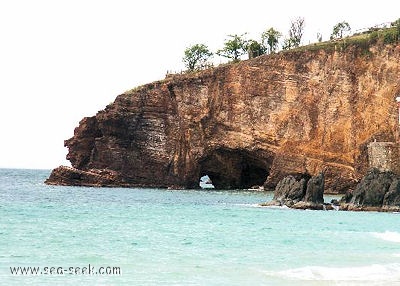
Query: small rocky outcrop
[291, 189]
[315, 189]
[377, 191]
[69, 176]
[300, 192]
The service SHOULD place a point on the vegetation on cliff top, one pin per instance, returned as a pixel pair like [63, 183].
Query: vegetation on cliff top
[197, 57]
[386, 35]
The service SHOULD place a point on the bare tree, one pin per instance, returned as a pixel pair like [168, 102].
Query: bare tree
[319, 37]
[295, 34]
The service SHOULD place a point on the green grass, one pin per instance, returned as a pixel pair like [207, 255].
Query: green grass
[363, 41]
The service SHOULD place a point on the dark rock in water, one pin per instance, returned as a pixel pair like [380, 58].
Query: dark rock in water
[69, 176]
[330, 207]
[315, 189]
[335, 202]
[291, 188]
[300, 192]
[372, 188]
[392, 197]
[346, 199]
[302, 205]
[377, 191]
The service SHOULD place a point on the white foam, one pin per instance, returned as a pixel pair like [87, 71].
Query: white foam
[283, 207]
[248, 205]
[375, 272]
[388, 236]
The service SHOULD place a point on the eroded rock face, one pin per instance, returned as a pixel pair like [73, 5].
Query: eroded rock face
[247, 123]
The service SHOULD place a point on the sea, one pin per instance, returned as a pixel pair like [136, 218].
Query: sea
[54, 235]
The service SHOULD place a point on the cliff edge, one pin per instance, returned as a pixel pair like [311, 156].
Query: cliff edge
[244, 124]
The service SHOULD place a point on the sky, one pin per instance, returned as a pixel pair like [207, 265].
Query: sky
[63, 60]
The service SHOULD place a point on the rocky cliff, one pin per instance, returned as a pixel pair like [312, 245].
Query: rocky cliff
[244, 124]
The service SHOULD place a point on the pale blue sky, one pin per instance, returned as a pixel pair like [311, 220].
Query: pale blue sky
[63, 60]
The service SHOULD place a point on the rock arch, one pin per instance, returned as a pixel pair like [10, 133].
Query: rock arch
[235, 168]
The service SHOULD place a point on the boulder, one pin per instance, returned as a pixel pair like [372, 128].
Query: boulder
[377, 191]
[291, 188]
[302, 205]
[300, 191]
[372, 188]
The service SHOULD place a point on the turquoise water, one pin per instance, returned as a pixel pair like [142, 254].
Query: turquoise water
[167, 237]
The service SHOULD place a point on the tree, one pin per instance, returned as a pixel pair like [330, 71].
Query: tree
[392, 35]
[296, 32]
[397, 25]
[270, 39]
[254, 49]
[319, 37]
[196, 57]
[234, 48]
[339, 30]
[288, 44]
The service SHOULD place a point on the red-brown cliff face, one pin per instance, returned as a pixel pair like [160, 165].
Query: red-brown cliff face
[244, 124]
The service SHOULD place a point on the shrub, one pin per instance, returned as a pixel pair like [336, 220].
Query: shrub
[373, 37]
[391, 36]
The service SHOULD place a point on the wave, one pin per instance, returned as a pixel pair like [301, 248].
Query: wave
[248, 205]
[387, 236]
[370, 273]
[261, 206]
[283, 207]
